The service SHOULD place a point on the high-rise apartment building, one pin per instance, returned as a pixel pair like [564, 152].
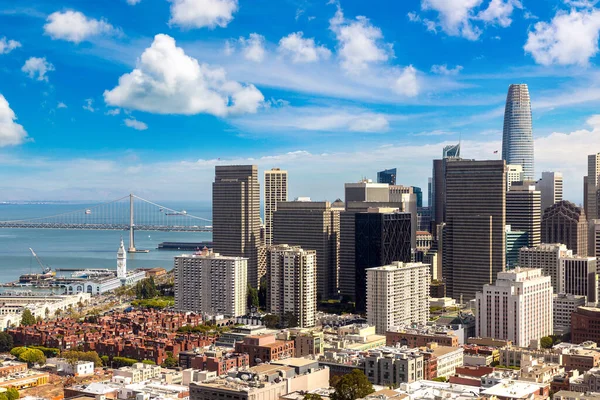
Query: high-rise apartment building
[387, 176]
[382, 237]
[292, 283]
[546, 257]
[524, 212]
[517, 137]
[514, 174]
[207, 282]
[474, 242]
[312, 225]
[564, 222]
[518, 307]
[397, 295]
[551, 187]
[276, 191]
[236, 216]
[577, 275]
[593, 186]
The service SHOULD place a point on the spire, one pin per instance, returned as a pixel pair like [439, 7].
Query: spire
[121, 261]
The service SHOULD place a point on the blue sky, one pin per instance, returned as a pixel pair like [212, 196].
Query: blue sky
[100, 98]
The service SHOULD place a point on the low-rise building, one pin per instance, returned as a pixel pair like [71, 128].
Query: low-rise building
[355, 337]
[564, 306]
[138, 372]
[421, 336]
[509, 389]
[588, 382]
[585, 325]
[214, 360]
[24, 380]
[66, 367]
[391, 366]
[448, 358]
[265, 348]
[568, 395]
[308, 343]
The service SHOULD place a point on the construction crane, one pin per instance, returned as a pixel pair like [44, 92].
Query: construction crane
[45, 269]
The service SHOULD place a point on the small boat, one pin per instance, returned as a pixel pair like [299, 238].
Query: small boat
[88, 211]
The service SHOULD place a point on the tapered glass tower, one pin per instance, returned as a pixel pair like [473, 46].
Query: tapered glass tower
[517, 139]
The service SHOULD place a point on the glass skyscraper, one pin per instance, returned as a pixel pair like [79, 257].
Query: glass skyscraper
[517, 138]
[387, 176]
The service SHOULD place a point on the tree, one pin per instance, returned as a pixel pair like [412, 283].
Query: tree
[72, 356]
[170, 361]
[262, 293]
[3, 396]
[105, 360]
[32, 357]
[17, 351]
[146, 289]
[12, 393]
[546, 342]
[290, 320]
[6, 342]
[352, 386]
[312, 396]
[149, 362]
[27, 318]
[271, 321]
[252, 297]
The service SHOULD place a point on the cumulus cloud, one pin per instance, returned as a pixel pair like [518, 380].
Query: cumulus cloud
[359, 42]
[407, 83]
[302, 50]
[11, 133]
[499, 12]
[455, 16]
[37, 68]
[114, 111]
[202, 13]
[135, 124]
[444, 70]
[61, 105]
[569, 38]
[89, 105]
[75, 27]
[253, 47]
[168, 81]
[6, 46]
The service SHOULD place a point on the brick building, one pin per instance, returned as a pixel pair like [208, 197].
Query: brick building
[265, 348]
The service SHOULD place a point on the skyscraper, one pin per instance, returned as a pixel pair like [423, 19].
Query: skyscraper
[474, 242]
[593, 186]
[387, 176]
[564, 222]
[236, 215]
[517, 138]
[276, 190]
[551, 187]
[514, 174]
[523, 212]
[452, 151]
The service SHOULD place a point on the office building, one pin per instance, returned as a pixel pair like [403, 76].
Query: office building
[406, 196]
[585, 326]
[566, 223]
[276, 191]
[312, 225]
[397, 295]
[419, 193]
[236, 216]
[292, 283]
[577, 275]
[474, 243]
[593, 187]
[451, 151]
[517, 136]
[515, 240]
[564, 306]
[382, 237]
[424, 219]
[523, 211]
[518, 307]
[514, 174]
[437, 198]
[387, 176]
[210, 283]
[546, 257]
[551, 188]
[368, 191]
[594, 238]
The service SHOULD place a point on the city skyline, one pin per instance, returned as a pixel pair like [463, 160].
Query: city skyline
[308, 100]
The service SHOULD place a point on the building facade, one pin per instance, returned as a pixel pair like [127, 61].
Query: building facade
[593, 186]
[387, 176]
[577, 275]
[547, 258]
[594, 238]
[276, 191]
[524, 212]
[566, 223]
[564, 306]
[517, 136]
[585, 325]
[515, 241]
[514, 174]
[551, 187]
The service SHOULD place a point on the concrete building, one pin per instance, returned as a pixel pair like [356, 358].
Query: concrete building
[138, 372]
[292, 283]
[236, 216]
[391, 366]
[547, 258]
[566, 223]
[367, 191]
[387, 176]
[383, 235]
[65, 367]
[448, 358]
[315, 226]
[421, 336]
[474, 239]
[398, 294]
[564, 306]
[594, 238]
[210, 283]
[517, 137]
[523, 211]
[43, 306]
[518, 307]
[585, 325]
[514, 174]
[265, 348]
[577, 275]
[405, 196]
[515, 241]
[276, 190]
[593, 186]
[551, 187]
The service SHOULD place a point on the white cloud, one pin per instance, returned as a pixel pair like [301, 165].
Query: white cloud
[359, 42]
[570, 38]
[499, 12]
[302, 50]
[37, 68]
[6, 46]
[407, 83]
[581, 3]
[444, 70]
[202, 13]
[75, 27]
[455, 16]
[61, 105]
[167, 81]
[135, 124]
[11, 133]
[253, 48]
[114, 111]
[89, 105]
[133, 2]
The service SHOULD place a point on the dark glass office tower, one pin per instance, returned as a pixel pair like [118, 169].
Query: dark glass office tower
[387, 176]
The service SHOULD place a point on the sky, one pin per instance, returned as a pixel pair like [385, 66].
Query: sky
[102, 98]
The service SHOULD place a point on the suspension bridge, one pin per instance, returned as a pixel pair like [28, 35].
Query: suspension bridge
[128, 213]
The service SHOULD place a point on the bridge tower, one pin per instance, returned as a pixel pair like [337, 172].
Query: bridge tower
[131, 225]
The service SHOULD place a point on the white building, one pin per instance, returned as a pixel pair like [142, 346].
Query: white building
[292, 283]
[546, 257]
[518, 307]
[207, 282]
[398, 294]
[564, 305]
[448, 358]
[514, 173]
[78, 368]
[577, 275]
[551, 186]
[43, 306]
[138, 372]
[276, 190]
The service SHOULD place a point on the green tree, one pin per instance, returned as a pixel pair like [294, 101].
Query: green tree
[149, 362]
[6, 342]
[170, 361]
[290, 320]
[3, 396]
[440, 379]
[17, 351]
[546, 342]
[252, 297]
[72, 356]
[12, 393]
[32, 357]
[271, 321]
[105, 360]
[312, 396]
[352, 386]
[123, 362]
[146, 289]
[27, 318]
